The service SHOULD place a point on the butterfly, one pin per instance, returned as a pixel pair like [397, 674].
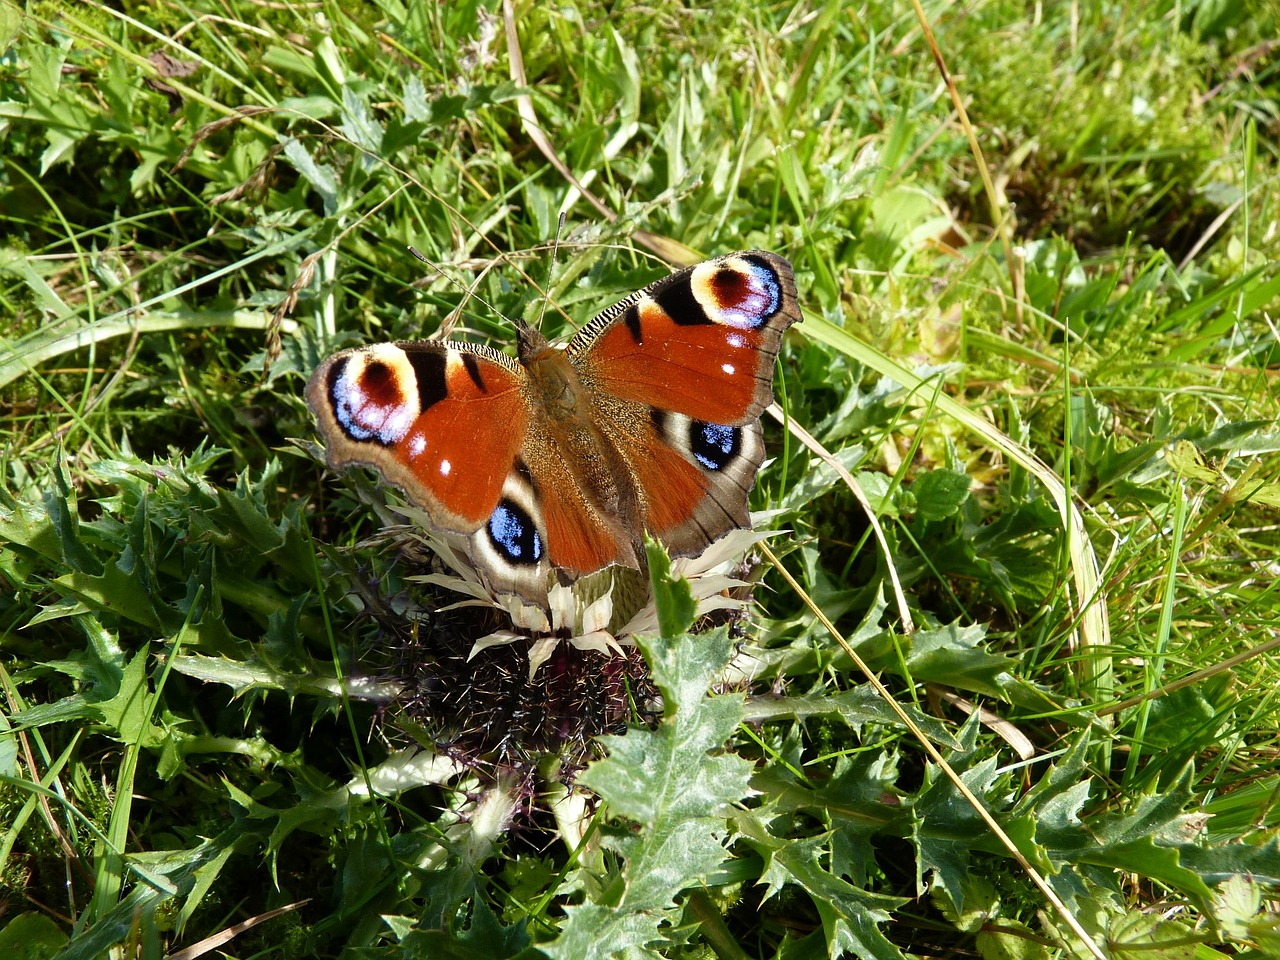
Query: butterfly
[553, 464]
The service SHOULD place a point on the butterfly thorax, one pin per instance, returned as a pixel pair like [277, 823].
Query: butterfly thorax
[555, 384]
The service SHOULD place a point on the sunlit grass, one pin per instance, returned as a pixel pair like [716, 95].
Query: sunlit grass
[218, 667]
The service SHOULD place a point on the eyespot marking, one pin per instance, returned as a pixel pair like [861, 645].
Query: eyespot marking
[714, 446]
[743, 294]
[513, 534]
[370, 398]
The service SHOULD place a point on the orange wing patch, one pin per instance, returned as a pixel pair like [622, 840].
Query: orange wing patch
[579, 539]
[423, 414]
[706, 371]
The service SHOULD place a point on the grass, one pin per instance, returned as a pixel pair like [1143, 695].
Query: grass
[223, 690]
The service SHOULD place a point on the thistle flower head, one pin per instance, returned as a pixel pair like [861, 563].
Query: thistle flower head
[601, 612]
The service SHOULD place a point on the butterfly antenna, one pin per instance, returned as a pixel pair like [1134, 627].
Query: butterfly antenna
[469, 291]
[555, 249]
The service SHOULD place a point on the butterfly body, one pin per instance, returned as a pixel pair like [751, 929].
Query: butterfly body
[554, 464]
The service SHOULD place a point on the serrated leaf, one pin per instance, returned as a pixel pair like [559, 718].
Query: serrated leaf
[1222, 861]
[320, 176]
[855, 707]
[1265, 930]
[684, 667]
[359, 125]
[1148, 859]
[116, 593]
[672, 786]
[854, 930]
[671, 594]
[485, 938]
[168, 873]
[666, 774]
[1154, 839]
[27, 526]
[245, 517]
[823, 477]
[59, 505]
[61, 147]
[595, 932]
[1011, 940]
[414, 99]
[851, 917]
[1187, 461]
[58, 611]
[878, 489]
[951, 655]
[947, 829]
[858, 804]
[1241, 436]
[45, 296]
[1263, 492]
[251, 674]
[128, 711]
[203, 878]
[980, 896]
[861, 805]
[1159, 816]
[940, 493]
[1141, 934]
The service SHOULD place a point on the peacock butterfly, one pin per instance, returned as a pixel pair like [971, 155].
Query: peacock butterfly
[553, 464]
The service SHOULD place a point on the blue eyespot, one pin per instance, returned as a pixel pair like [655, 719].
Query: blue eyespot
[369, 402]
[513, 534]
[714, 446]
[747, 297]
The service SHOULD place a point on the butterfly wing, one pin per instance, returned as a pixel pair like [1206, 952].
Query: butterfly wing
[454, 426]
[681, 372]
[423, 413]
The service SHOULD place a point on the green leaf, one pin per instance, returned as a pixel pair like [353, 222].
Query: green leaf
[861, 803]
[856, 707]
[671, 594]
[1154, 838]
[947, 829]
[980, 898]
[171, 872]
[115, 592]
[31, 936]
[28, 527]
[940, 493]
[61, 147]
[851, 917]
[1221, 861]
[1147, 858]
[952, 655]
[676, 788]
[359, 125]
[595, 932]
[321, 176]
[1011, 940]
[288, 60]
[10, 26]
[485, 937]
[1183, 717]
[60, 506]
[127, 711]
